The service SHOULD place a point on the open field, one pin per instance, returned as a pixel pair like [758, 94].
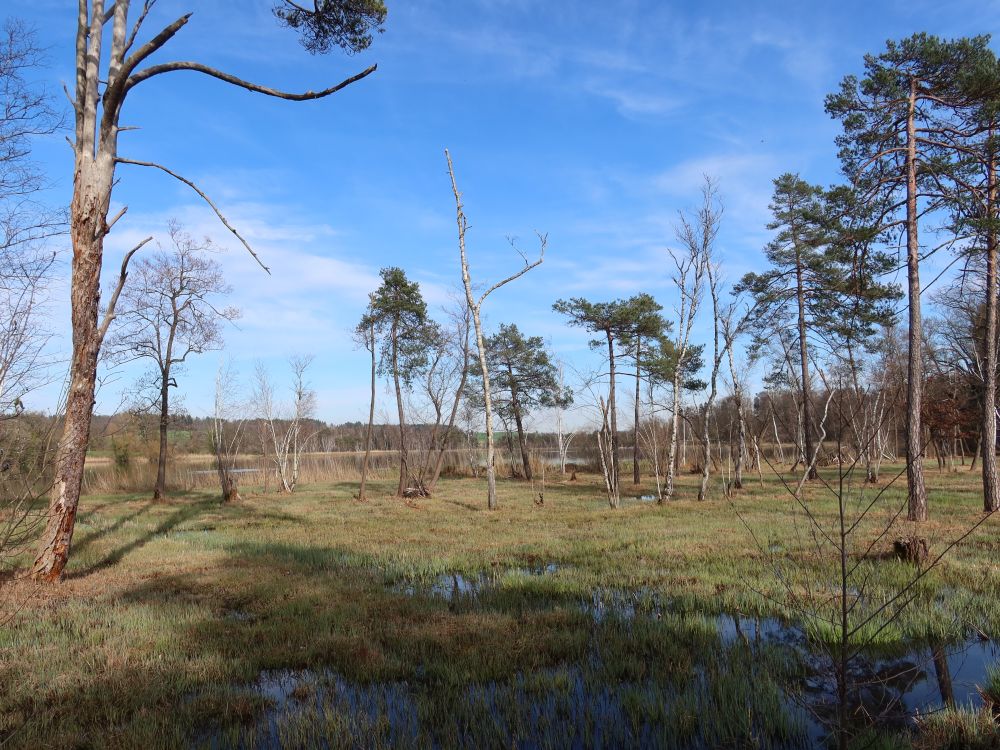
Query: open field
[309, 619]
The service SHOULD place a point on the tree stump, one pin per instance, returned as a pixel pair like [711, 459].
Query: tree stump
[911, 549]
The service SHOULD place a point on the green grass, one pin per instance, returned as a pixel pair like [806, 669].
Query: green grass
[171, 613]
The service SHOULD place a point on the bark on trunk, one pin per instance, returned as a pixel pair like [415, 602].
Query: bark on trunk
[228, 484]
[741, 443]
[521, 439]
[371, 422]
[991, 487]
[706, 449]
[403, 468]
[635, 435]
[917, 492]
[491, 476]
[613, 410]
[668, 490]
[159, 492]
[807, 427]
[741, 434]
[91, 196]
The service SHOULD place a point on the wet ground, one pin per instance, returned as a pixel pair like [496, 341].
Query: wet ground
[784, 684]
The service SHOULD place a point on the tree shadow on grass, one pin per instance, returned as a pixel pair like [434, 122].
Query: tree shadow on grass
[94, 536]
[184, 513]
[168, 524]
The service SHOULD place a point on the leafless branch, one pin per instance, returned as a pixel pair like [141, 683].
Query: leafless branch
[209, 201]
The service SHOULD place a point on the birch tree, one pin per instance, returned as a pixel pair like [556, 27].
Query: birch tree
[105, 76]
[475, 308]
[228, 419]
[564, 439]
[284, 426]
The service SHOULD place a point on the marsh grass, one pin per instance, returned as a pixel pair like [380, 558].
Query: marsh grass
[172, 614]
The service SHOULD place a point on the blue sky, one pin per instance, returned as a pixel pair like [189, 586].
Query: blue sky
[591, 121]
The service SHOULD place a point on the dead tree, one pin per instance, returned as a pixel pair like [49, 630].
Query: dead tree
[689, 279]
[475, 306]
[104, 79]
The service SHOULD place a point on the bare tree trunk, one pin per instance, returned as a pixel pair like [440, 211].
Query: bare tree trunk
[159, 492]
[403, 468]
[511, 454]
[807, 426]
[635, 437]
[608, 465]
[991, 482]
[491, 477]
[672, 451]
[93, 175]
[741, 428]
[695, 243]
[612, 411]
[706, 446]
[741, 443]
[521, 440]
[371, 422]
[522, 444]
[561, 442]
[227, 482]
[714, 378]
[777, 439]
[917, 492]
[91, 195]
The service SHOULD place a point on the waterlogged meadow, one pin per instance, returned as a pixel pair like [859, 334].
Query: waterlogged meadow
[312, 620]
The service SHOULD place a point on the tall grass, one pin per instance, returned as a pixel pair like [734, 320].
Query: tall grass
[197, 472]
[188, 473]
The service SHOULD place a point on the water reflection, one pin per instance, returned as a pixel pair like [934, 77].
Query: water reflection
[453, 586]
[887, 689]
[651, 677]
[579, 706]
